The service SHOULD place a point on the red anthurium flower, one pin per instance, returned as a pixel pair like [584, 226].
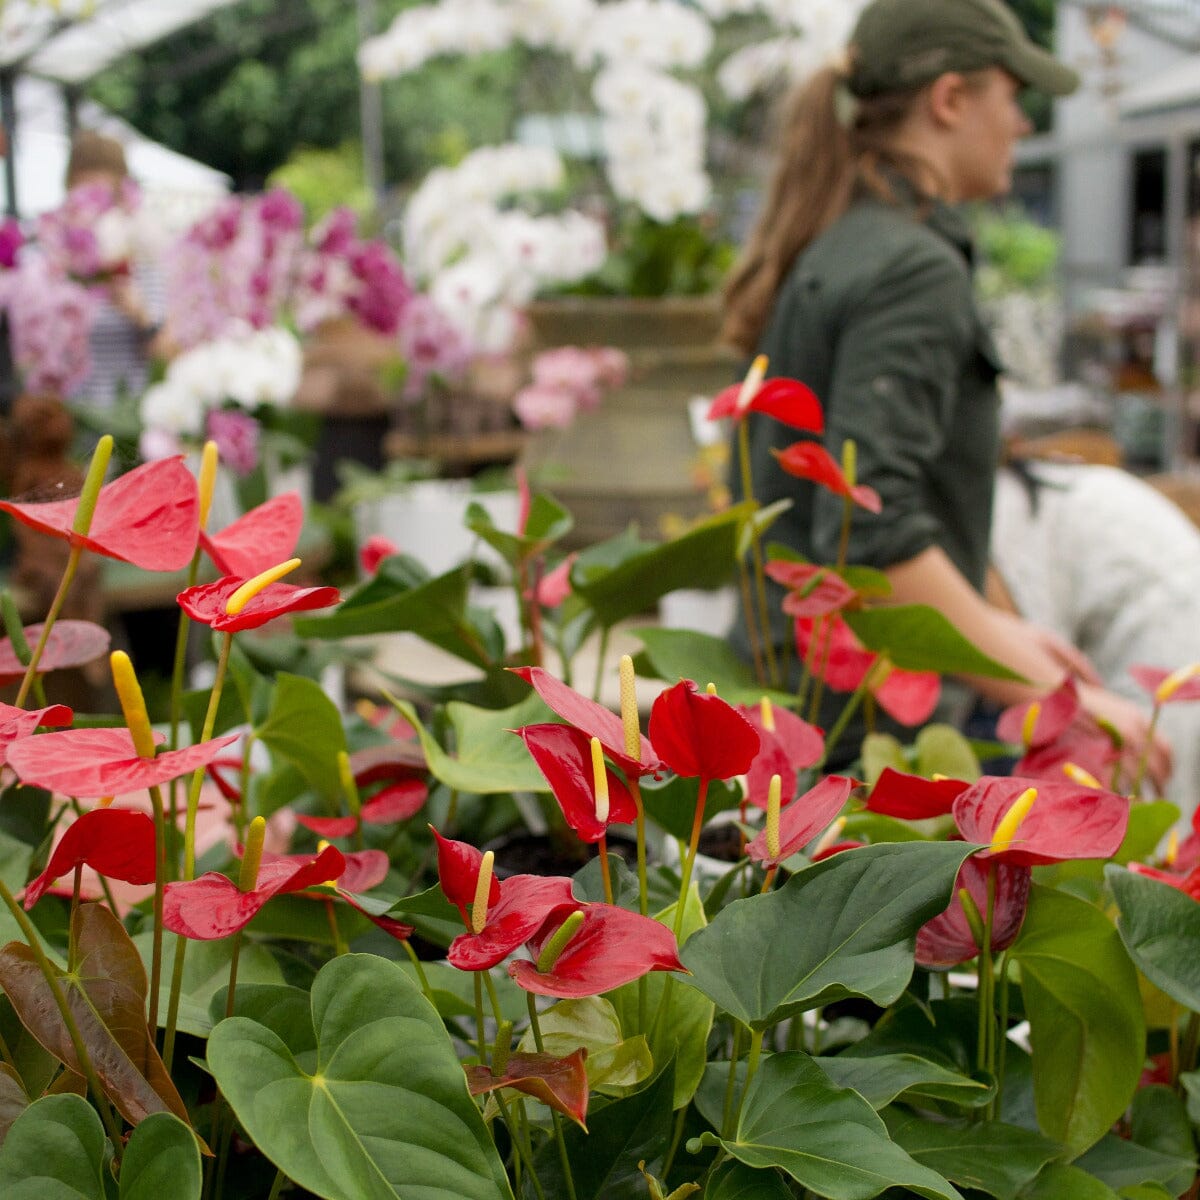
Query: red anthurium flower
[787, 749]
[611, 947]
[1079, 746]
[811, 461]
[70, 644]
[458, 873]
[1180, 685]
[564, 756]
[1188, 883]
[555, 586]
[1041, 722]
[787, 400]
[206, 603]
[259, 539]
[400, 759]
[813, 591]
[213, 906]
[525, 904]
[16, 724]
[947, 940]
[908, 696]
[395, 803]
[590, 718]
[149, 517]
[373, 551]
[116, 842]
[103, 762]
[696, 734]
[911, 798]
[821, 854]
[559, 1082]
[803, 819]
[1065, 821]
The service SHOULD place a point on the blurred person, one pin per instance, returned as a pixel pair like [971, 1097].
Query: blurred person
[857, 279]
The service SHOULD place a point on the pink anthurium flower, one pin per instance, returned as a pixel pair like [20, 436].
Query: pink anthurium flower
[397, 802]
[525, 904]
[560, 1083]
[116, 842]
[697, 734]
[811, 461]
[787, 400]
[813, 591]
[912, 798]
[206, 603]
[70, 644]
[17, 724]
[789, 746]
[802, 819]
[948, 940]
[259, 539]
[1168, 687]
[1079, 747]
[611, 947]
[563, 755]
[1064, 820]
[374, 550]
[590, 718]
[1189, 882]
[555, 586]
[149, 517]
[103, 762]
[908, 696]
[1039, 723]
[213, 906]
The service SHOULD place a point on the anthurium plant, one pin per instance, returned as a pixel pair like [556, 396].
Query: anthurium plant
[266, 946]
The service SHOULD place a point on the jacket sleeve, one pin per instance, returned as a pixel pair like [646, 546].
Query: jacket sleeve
[895, 381]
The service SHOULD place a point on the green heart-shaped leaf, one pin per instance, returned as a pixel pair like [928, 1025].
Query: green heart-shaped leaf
[916, 637]
[886, 1077]
[304, 728]
[380, 1111]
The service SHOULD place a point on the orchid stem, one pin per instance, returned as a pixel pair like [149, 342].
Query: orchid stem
[56, 604]
[605, 874]
[68, 1017]
[554, 1117]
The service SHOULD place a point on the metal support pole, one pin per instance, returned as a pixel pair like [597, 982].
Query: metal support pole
[8, 117]
[370, 98]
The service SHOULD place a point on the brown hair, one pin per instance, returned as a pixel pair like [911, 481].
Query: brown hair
[92, 151]
[825, 159]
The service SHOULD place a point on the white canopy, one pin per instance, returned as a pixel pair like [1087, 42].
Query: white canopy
[1176, 87]
[85, 36]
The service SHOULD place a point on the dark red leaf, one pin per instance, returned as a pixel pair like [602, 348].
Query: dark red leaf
[696, 734]
[116, 842]
[947, 940]
[593, 719]
[70, 644]
[611, 947]
[559, 1082]
[811, 461]
[802, 819]
[524, 905]
[259, 539]
[16, 724]
[563, 755]
[911, 798]
[206, 603]
[103, 762]
[1066, 821]
[149, 517]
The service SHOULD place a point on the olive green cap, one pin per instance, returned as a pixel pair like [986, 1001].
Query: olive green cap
[900, 44]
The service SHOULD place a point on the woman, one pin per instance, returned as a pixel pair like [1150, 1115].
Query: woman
[857, 280]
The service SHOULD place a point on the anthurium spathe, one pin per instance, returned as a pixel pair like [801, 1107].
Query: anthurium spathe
[17, 724]
[949, 939]
[208, 603]
[813, 591]
[213, 906]
[525, 903]
[611, 946]
[811, 461]
[459, 865]
[103, 762]
[396, 802]
[560, 1083]
[149, 517]
[787, 745]
[801, 820]
[913, 798]
[258, 539]
[69, 644]
[1168, 687]
[563, 755]
[116, 842]
[1038, 723]
[786, 400]
[1064, 820]
[590, 718]
[700, 735]
[1187, 882]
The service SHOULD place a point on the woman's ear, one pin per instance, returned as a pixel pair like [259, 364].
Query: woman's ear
[944, 99]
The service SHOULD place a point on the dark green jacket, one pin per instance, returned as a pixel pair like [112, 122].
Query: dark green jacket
[878, 317]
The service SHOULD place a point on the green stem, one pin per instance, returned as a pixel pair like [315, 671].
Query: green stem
[481, 1040]
[752, 634]
[735, 1054]
[689, 861]
[1191, 1039]
[160, 874]
[72, 927]
[643, 886]
[985, 1054]
[68, 1017]
[605, 874]
[839, 726]
[601, 655]
[339, 944]
[1136, 790]
[1002, 1045]
[422, 978]
[179, 667]
[277, 1186]
[554, 1117]
[56, 604]
[234, 957]
[668, 1162]
[756, 1041]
